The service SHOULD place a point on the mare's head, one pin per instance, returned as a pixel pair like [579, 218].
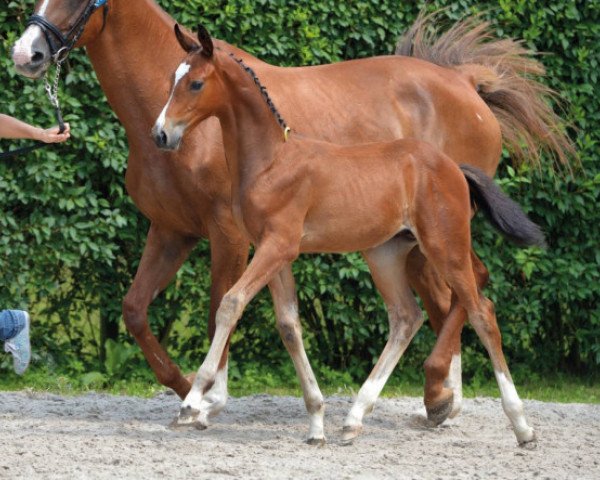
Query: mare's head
[196, 94]
[52, 30]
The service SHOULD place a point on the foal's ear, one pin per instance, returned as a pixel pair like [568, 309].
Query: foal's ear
[187, 42]
[205, 41]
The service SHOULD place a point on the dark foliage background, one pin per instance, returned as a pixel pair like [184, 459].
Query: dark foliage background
[70, 238]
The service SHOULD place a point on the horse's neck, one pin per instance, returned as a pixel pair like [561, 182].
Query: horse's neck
[251, 133]
[134, 58]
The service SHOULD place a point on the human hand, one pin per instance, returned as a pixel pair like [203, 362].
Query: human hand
[51, 135]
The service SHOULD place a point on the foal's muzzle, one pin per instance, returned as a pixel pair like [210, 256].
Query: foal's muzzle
[165, 140]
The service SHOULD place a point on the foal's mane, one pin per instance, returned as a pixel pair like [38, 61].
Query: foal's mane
[263, 91]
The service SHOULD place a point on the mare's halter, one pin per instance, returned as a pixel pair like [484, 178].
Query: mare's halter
[64, 43]
[59, 55]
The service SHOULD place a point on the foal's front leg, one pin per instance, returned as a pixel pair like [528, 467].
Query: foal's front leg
[270, 257]
[283, 291]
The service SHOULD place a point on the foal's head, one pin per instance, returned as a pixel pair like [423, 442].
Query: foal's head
[197, 91]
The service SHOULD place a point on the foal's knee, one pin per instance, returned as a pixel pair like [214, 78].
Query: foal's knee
[230, 310]
[288, 330]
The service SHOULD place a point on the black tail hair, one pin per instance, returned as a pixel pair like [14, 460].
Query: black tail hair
[503, 213]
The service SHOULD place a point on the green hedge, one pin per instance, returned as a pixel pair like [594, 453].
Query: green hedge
[71, 239]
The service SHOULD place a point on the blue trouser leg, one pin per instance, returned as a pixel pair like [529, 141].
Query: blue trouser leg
[10, 324]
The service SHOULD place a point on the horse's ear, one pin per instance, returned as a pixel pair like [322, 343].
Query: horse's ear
[205, 41]
[186, 42]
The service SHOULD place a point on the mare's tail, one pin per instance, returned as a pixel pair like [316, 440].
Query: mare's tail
[503, 213]
[502, 71]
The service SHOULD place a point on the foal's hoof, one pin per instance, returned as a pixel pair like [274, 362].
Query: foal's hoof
[189, 418]
[319, 442]
[349, 433]
[529, 442]
[437, 413]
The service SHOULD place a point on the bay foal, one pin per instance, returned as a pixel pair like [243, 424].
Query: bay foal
[292, 194]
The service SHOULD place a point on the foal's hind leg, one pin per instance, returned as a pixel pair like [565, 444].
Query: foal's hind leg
[484, 321]
[455, 264]
[388, 268]
[283, 291]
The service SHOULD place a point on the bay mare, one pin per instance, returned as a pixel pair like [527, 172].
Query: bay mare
[292, 194]
[482, 93]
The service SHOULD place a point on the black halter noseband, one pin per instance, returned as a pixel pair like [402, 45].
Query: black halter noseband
[67, 41]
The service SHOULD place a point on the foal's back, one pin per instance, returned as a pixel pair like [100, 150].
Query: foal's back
[357, 197]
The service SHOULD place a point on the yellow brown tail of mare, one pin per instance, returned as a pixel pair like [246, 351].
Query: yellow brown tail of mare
[505, 75]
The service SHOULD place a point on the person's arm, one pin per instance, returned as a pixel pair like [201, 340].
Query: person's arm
[12, 128]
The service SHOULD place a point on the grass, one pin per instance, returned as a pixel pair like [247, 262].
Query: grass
[563, 389]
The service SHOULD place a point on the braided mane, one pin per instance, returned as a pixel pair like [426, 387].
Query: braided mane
[263, 91]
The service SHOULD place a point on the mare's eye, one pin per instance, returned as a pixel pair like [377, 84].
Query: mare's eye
[196, 86]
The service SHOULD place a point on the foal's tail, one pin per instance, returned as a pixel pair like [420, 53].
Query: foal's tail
[502, 71]
[503, 213]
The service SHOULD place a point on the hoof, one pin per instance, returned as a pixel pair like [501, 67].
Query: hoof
[318, 442]
[436, 414]
[529, 444]
[189, 418]
[349, 433]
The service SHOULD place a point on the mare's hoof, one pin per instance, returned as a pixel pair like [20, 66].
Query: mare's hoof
[439, 412]
[319, 442]
[189, 418]
[350, 432]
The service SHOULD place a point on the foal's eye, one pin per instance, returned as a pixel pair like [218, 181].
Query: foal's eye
[196, 86]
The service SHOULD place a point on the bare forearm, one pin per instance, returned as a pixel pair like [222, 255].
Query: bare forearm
[12, 128]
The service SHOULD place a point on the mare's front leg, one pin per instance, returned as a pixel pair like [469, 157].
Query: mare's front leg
[164, 253]
[270, 257]
[283, 291]
[388, 268]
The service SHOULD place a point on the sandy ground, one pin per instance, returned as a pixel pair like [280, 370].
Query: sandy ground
[95, 436]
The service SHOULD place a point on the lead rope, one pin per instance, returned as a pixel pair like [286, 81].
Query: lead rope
[52, 92]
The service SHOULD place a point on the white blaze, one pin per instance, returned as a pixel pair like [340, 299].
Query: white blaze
[181, 72]
[43, 8]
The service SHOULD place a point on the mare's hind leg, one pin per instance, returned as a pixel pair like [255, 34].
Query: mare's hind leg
[283, 291]
[163, 254]
[443, 386]
[388, 268]
[443, 381]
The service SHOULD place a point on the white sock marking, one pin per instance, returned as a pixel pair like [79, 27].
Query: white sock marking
[513, 407]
